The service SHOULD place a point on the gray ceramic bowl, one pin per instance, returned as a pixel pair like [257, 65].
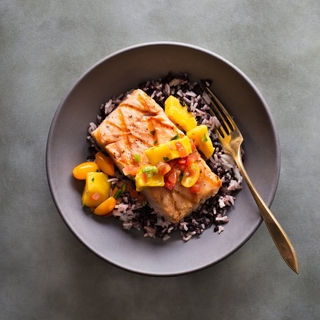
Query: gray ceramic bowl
[67, 147]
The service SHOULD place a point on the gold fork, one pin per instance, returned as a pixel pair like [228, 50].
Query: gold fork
[231, 140]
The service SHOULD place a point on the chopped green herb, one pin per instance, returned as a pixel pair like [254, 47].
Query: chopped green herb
[137, 158]
[120, 191]
[155, 141]
[204, 138]
[92, 179]
[146, 169]
[150, 169]
[176, 137]
[123, 187]
[165, 158]
[153, 132]
[117, 194]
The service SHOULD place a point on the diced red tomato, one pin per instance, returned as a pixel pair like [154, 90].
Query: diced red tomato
[144, 177]
[171, 178]
[193, 157]
[182, 163]
[130, 170]
[196, 187]
[172, 163]
[95, 196]
[169, 185]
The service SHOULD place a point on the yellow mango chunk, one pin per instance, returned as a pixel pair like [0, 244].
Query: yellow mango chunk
[80, 171]
[105, 163]
[170, 150]
[179, 114]
[96, 190]
[202, 140]
[148, 176]
[105, 207]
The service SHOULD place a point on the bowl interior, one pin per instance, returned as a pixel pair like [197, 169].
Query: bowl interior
[123, 71]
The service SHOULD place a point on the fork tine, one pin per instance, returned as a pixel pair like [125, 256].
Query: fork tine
[222, 132]
[226, 120]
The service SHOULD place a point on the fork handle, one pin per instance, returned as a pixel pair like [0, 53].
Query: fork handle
[277, 233]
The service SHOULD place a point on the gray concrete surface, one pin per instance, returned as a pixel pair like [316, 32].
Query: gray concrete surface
[45, 273]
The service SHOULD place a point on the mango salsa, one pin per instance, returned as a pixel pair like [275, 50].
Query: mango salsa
[96, 190]
[148, 176]
[170, 150]
[179, 114]
[201, 138]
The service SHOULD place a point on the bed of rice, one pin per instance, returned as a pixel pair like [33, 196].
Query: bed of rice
[213, 213]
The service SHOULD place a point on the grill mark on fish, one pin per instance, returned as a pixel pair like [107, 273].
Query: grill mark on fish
[129, 136]
[124, 130]
[137, 109]
[157, 122]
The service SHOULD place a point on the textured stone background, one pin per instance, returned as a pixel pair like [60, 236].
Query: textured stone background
[45, 273]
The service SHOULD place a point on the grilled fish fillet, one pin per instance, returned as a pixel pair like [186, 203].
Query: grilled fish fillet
[137, 124]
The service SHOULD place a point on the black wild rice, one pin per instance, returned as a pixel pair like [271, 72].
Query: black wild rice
[213, 213]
